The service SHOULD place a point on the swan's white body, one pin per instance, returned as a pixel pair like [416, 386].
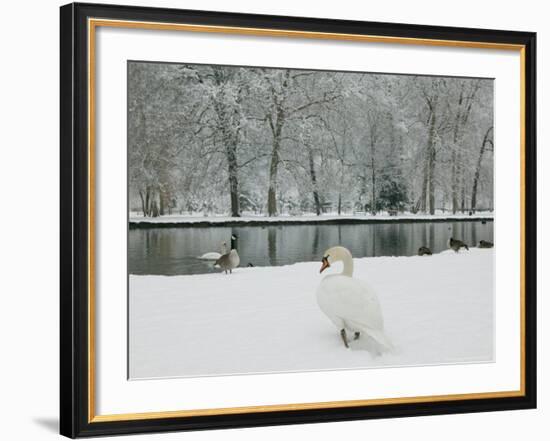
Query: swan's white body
[213, 255]
[210, 256]
[351, 304]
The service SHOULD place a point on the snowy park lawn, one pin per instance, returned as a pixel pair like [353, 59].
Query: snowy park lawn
[136, 218]
[437, 309]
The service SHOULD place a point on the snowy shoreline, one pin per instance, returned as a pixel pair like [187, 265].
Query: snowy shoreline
[438, 310]
[174, 221]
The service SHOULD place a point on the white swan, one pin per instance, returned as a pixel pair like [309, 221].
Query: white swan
[213, 255]
[351, 304]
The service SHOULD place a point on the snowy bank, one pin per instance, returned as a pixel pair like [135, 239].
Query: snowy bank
[437, 309]
[138, 221]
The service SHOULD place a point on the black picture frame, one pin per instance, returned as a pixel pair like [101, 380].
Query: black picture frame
[75, 416]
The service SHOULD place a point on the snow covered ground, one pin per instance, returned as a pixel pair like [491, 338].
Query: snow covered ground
[251, 219]
[437, 309]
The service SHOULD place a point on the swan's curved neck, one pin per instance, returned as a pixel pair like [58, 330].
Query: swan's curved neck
[348, 265]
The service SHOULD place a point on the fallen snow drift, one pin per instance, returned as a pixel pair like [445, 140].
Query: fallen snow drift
[437, 309]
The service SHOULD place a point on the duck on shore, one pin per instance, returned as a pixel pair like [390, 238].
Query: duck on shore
[456, 245]
[424, 251]
[485, 244]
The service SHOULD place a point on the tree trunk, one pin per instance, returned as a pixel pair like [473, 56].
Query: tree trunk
[464, 109]
[147, 201]
[340, 191]
[162, 200]
[230, 138]
[273, 170]
[373, 207]
[478, 170]
[143, 208]
[373, 182]
[232, 172]
[154, 209]
[431, 165]
[424, 192]
[454, 181]
[342, 169]
[313, 176]
[274, 164]
[455, 157]
[462, 192]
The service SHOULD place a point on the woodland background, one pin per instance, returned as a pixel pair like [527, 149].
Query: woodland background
[231, 140]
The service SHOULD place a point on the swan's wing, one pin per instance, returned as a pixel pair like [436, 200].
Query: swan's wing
[223, 260]
[236, 259]
[353, 300]
[210, 256]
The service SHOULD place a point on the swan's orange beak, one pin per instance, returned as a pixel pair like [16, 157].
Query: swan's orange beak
[325, 265]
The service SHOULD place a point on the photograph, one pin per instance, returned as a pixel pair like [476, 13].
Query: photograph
[290, 220]
[283, 218]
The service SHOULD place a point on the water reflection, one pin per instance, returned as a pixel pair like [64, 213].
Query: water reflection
[174, 251]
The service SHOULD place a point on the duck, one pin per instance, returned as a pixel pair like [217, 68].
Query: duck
[485, 244]
[351, 304]
[229, 261]
[424, 251]
[456, 244]
[214, 255]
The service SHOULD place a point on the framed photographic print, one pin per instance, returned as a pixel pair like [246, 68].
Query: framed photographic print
[273, 220]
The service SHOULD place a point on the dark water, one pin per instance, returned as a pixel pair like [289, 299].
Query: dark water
[174, 251]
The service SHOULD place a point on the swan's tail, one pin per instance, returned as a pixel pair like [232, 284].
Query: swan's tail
[374, 340]
[384, 343]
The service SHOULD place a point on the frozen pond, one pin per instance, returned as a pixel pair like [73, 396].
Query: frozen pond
[174, 251]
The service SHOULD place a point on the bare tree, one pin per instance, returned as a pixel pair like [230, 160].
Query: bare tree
[487, 141]
[232, 140]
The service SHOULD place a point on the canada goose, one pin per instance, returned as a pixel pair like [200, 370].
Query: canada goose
[456, 244]
[231, 260]
[424, 251]
[485, 244]
[250, 265]
[234, 239]
[351, 304]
